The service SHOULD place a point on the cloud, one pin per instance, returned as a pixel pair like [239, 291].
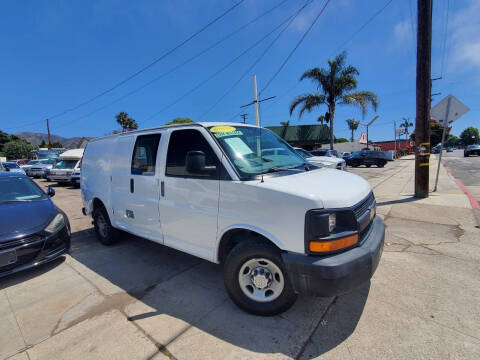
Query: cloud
[402, 32]
[464, 38]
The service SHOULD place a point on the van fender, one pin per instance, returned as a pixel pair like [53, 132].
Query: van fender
[252, 228]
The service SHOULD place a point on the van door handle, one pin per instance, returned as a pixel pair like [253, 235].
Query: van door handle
[132, 186]
[162, 189]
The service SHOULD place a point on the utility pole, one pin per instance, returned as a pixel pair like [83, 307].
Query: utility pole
[244, 117]
[395, 137]
[424, 85]
[256, 101]
[48, 131]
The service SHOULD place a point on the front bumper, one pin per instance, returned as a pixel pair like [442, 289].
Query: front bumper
[36, 250]
[339, 273]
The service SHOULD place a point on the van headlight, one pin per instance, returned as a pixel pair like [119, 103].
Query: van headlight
[56, 224]
[329, 230]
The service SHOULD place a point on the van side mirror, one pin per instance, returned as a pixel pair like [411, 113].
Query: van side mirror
[195, 164]
[50, 191]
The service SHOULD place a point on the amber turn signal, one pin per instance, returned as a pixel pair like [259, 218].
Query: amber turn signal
[333, 245]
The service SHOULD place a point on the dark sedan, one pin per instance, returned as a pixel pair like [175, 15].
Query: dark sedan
[471, 150]
[33, 230]
[367, 158]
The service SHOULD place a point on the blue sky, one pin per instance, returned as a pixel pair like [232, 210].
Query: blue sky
[57, 54]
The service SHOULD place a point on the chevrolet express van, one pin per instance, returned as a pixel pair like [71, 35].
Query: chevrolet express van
[279, 225]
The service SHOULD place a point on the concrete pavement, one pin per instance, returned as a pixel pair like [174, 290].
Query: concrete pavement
[140, 300]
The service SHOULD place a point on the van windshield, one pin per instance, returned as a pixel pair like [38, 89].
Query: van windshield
[255, 151]
[66, 164]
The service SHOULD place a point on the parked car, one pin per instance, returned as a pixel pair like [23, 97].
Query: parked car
[346, 154]
[449, 149]
[471, 150]
[367, 158]
[21, 162]
[38, 169]
[278, 227]
[330, 162]
[75, 178]
[33, 230]
[63, 170]
[12, 167]
[325, 152]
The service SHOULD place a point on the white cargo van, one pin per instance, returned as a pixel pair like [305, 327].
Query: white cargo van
[279, 225]
[63, 170]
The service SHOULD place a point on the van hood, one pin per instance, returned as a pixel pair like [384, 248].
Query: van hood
[327, 188]
[325, 159]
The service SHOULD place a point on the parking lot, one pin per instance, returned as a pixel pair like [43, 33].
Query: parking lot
[140, 300]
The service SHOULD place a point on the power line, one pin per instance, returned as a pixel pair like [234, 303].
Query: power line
[143, 69]
[445, 39]
[378, 12]
[296, 46]
[136, 90]
[203, 82]
[290, 20]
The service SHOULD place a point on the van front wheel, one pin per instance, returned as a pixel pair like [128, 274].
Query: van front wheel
[104, 230]
[255, 279]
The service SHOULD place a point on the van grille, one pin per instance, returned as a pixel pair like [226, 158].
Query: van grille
[364, 205]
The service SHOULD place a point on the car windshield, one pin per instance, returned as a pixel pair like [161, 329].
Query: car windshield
[254, 150]
[12, 165]
[66, 164]
[33, 162]
[19, 189]
[473, 147]
[304, 153]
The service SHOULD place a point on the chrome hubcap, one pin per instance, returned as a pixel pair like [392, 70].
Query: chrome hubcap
[261, 280]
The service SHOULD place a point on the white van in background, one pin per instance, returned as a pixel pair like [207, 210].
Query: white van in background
[278, 224]
[63, 170]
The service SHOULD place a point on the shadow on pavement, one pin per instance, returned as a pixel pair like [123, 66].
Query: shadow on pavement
[177, 293]
[399, 201]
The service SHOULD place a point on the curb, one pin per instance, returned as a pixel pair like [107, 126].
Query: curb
[473, 202]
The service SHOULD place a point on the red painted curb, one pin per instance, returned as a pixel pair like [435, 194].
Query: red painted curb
[473, 202]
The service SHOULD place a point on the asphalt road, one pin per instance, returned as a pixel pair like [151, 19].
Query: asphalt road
[464, 169]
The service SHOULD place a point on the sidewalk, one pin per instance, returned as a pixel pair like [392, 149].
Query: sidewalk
[423, 300]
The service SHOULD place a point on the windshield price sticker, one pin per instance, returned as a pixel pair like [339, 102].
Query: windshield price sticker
[221, 131]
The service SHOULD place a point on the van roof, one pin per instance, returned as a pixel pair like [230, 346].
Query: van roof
[202, 124]
[72, 154]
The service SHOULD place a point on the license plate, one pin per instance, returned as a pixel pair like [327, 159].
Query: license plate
[8, 257]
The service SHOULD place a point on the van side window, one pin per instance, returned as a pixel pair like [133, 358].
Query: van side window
[183, 141]
[145, 154]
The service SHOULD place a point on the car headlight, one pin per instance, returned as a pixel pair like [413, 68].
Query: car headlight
[56, 224]
[328, 231]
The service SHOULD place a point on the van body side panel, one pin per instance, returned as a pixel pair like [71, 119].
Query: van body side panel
[95, 175]
[277, 215]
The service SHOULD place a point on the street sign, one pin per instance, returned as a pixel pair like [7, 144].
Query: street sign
[457, 109]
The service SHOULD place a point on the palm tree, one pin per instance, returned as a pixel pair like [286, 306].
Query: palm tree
[352, 125]
[321, 119]
[126, 122]
[406, 124]
[336, 84]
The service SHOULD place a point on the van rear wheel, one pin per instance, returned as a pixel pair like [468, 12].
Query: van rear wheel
[255, 279]
[104, 230]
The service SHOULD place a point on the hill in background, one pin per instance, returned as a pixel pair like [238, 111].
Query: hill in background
[36, 139]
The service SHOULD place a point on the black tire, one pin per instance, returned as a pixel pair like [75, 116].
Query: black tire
[381, 164]
[105, 232]
[368, 165]
[242, 253]
[465, 155]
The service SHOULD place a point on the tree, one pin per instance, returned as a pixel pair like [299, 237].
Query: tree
[436, 131]
[470, 136]
[337, 83]
[352, 125]
[126, 122]
[406, 124]
[56, 144]
[341, 140]
[321, 119]
[43, 144]
[17, 149]
[452, 140]
[180, 120]
[285, 123]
